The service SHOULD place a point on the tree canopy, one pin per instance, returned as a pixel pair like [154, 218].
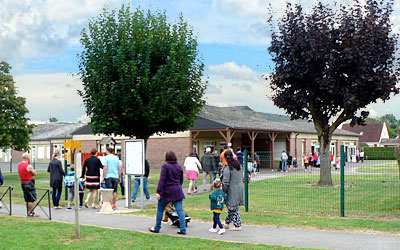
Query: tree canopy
[141, 74]
[14, 128]
[330, 63]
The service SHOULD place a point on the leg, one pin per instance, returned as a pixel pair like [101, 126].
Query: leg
[217, 220]
[88, 196]
[136, 188]
[54, 197]
[160, 210]
[59, 192]
[122, 187]
[237, 221]
[71, 196]
[181, 214]
[228, 218]
[205, 173]
[95, 192]
[31, 205]
[211, 177]
[146, 188]
[214, 220]
[81, 194]
[190, 187]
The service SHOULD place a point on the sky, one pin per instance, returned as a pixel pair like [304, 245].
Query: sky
[40, 39]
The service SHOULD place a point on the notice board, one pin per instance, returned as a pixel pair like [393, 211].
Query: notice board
[134, 157]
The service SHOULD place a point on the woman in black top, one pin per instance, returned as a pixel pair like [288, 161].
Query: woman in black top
[91, 168]
[56, 178]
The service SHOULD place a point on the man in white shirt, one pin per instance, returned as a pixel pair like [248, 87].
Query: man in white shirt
[284, 159]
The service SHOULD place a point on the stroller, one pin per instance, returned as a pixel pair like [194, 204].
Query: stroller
[173, 216]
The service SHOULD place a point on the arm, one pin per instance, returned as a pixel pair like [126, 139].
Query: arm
[198, 164]
[84, 169]
[48, 168]
[61, 169]
[1, 178]
[163, 179]
[213, 196]
[120, 173]
[146, 168]
[31, 169]
[226, 178]
[104, 172]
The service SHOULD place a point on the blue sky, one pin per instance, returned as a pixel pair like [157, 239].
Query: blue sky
[40, 39]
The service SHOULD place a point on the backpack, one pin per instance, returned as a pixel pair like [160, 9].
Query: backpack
[69, 180]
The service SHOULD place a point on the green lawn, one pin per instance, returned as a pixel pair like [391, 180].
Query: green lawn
[24, 233]
[389, 166]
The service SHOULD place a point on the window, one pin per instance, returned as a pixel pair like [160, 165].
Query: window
[48, 152]
[195, 146]
[40, 152]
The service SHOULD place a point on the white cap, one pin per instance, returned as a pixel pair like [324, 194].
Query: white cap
[208, 149]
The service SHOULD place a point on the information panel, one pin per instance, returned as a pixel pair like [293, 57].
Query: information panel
[134, 157]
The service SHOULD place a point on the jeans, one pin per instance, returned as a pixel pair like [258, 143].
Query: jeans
[284, 165]
[217, 221]
[122, 186]
[56, 195]
[136, 188]
[179, 209]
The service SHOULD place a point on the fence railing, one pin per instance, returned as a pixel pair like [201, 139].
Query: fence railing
[38, 201]
[3, 194]
[368, 188]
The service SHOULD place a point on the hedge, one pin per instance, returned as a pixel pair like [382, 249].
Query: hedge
[379, 153]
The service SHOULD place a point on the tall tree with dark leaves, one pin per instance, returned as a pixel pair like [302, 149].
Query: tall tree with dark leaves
[141, 73]
[14, 128]
[330, 63]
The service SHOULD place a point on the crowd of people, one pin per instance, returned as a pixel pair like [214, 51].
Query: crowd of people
[108, 173]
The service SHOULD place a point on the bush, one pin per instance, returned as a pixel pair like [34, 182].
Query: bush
[380, 153]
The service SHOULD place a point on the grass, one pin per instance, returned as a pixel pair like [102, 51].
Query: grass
[23, 233]
[390, 166]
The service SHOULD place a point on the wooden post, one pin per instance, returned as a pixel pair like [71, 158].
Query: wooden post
[272, 137]
[252, 137]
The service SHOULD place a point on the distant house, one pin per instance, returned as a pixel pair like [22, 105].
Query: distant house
[372, 134]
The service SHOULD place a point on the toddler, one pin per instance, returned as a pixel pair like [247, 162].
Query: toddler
[217, 205]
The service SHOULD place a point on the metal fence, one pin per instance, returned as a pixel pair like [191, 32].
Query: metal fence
[12, 167]
[368, 187]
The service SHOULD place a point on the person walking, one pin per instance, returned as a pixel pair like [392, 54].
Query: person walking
[192, 166]
[91, 171]
[56, 178]
[233, 187]
[137, 182]
[26, 173]
[217, 199]
[170, 190]
[81, 188]
[123, 174]
[240, 156]
[112, 174]
[284, 158]
[217, 164]
[1, 183]
[208, 164]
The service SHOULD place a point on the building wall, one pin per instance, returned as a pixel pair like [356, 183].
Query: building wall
[157, 147]
[88, 145]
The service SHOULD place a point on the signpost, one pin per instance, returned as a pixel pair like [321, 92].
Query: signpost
[76, 148]
[134, 165]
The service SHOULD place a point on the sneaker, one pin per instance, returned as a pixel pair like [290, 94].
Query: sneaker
[68, 208]
[212, 230]
[114, 207]
[149, 199]
[164, 222]
[80, 207]
[221, 231]
[133, 200]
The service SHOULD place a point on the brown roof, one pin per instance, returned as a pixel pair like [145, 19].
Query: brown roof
[390, 141]
[370, 132]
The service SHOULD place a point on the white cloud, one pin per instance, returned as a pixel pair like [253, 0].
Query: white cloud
[231, 84]
[31, 28]
[51, 95]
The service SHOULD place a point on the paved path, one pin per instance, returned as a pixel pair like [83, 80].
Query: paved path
[250, 234]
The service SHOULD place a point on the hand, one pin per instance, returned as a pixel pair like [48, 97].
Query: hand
[102, 180]
[158, 197]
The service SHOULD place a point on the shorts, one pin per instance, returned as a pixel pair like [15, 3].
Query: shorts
[29, 191]
[112, 183]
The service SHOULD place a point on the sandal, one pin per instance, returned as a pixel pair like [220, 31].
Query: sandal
[86, 204]
[94, 207]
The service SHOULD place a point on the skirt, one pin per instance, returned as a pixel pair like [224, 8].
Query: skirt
[93, 182]
[191, 175]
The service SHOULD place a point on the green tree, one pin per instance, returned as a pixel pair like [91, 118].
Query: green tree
[329, 64]
[141, 74]
[391, 124]
[14, 128]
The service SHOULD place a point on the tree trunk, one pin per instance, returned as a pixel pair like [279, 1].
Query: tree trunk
[325, 162]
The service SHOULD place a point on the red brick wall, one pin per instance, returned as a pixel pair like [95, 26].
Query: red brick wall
[88, 145]
[157, 147]
[17, 155]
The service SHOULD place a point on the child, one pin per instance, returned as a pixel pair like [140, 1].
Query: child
[72, 189]
[217, 204]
